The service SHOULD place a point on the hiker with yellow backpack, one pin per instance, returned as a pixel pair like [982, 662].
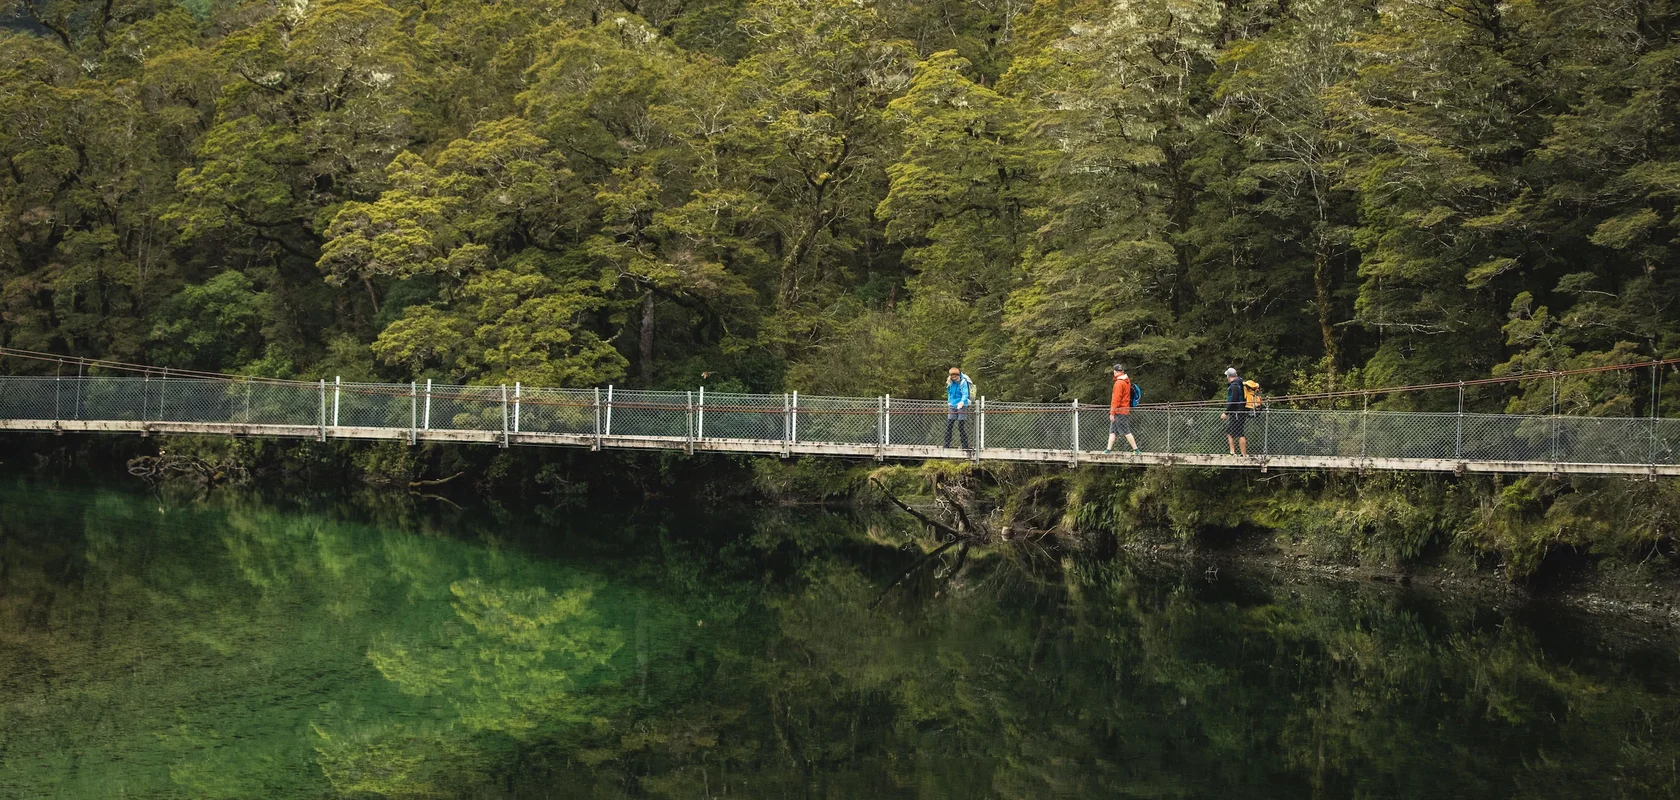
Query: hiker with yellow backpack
[1242, 400]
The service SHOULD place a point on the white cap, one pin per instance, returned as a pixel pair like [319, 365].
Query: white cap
[1230, 372]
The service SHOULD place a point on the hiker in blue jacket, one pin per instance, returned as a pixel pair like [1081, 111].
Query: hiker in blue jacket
[957, 402]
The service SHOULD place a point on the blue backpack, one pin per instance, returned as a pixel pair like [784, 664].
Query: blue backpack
[1137, 393]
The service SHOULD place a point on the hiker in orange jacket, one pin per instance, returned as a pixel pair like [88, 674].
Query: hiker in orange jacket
[1120, 410]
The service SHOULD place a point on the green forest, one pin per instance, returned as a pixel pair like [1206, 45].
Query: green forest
[849, 196]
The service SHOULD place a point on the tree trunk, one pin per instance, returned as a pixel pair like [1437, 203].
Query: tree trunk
[373, 294]
[1321, 301]
[645, 351]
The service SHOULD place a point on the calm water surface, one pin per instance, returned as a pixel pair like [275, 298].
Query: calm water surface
[233, 648]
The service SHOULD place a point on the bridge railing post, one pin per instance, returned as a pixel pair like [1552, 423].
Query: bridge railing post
[516, 393]
[597, 418]
[247, 401]
[1458, 435]
[980, 428]
[785, 426]
[337, 382]
[58, 389]
[608, 429]
[690, 419]
[413, 412]
[506, 415]
[1265, 430]
[426, 419]
[322, 435]
[886, 424]
[881, 429]
[1365, 426]
[1073, 459]
[700, 416]
[793, 419]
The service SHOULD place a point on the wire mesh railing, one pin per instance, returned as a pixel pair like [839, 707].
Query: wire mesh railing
[851, 425]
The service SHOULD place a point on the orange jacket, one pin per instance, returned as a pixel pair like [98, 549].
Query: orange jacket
[1121, 401]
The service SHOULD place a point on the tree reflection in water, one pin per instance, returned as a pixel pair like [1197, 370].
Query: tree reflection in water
[235, 649]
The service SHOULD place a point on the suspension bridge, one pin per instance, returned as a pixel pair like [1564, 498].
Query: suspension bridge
[154, 402]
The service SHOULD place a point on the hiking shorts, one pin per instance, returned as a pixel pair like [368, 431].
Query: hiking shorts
[1235, 422]
[1120, 424]
[954, 413]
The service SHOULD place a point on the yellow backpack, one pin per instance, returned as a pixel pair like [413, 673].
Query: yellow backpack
[1251, 396]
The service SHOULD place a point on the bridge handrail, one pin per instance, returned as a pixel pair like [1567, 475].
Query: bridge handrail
[700, 417]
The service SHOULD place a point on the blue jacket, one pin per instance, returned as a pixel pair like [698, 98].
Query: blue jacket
[956, 392]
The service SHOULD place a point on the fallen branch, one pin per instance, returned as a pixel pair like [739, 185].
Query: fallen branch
[962, 514]
[165, 466]
[962, 558]
[424, 496]
[421, 484]
[912, 570]
[925, 519]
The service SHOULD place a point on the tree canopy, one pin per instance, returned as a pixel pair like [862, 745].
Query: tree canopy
[840, 196]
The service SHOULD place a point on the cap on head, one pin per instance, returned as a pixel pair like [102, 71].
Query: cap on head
[1230, 372]
[1119, 367]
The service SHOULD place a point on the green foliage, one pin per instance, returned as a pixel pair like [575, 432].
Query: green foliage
[807, 479]
[210, 324]
[1381, 522]
[510, 325]
[1393, 521]
[866, 193]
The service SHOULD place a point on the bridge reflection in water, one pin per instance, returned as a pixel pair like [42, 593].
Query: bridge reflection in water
[858, 427]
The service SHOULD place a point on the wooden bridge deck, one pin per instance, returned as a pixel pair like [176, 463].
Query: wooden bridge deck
[778, 447]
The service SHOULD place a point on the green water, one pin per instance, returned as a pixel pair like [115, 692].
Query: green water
[229, 647]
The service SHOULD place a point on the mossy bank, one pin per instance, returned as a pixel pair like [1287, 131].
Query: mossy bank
[1537, 533]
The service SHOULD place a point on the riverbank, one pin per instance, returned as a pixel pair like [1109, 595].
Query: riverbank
[1604, 544]
[1639, 600]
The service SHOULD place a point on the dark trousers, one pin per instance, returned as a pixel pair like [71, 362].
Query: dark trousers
[962, 428]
